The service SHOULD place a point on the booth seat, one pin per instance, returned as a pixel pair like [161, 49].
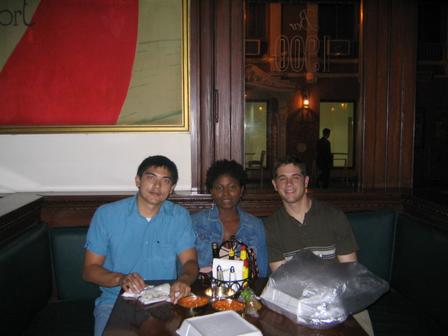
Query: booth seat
[407, 252]
[25, 278]
[71, 313]
[43, 292]
[412, 255]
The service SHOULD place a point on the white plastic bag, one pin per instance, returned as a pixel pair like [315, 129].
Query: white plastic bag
[317, 294]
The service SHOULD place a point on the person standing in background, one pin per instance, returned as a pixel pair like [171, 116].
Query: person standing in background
[324, 159]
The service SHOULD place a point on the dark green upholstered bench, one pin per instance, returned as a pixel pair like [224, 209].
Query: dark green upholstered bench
[420, 269]
[375, 234]
[409, 253]
[68, 257]
[34, 264]
[25, 278]
[412, 256]
[71, 313]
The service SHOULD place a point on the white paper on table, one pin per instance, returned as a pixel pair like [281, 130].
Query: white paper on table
[225, 267]
[226, 323]
[151, 294]
[132, 295]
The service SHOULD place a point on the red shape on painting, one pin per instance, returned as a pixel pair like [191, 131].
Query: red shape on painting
[72, 66]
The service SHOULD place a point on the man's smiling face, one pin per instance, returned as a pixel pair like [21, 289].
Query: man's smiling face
[290, 183]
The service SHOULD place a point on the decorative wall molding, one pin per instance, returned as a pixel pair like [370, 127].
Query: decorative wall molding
[17, 213]
[77, 210]
[434, 214]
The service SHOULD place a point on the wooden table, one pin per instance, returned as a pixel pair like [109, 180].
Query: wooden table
[130, 317]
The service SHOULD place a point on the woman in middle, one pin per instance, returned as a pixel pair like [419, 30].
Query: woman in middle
[226, 181]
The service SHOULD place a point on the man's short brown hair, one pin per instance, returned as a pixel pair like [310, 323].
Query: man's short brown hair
[290, 159]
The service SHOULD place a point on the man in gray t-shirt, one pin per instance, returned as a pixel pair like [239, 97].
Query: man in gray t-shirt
[305, 223]
[325, 231]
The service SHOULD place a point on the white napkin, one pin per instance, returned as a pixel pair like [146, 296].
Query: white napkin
[151, 294]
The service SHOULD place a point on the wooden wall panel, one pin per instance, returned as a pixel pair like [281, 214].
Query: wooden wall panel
[382, 83]
[229, 80]
[367, 118]
[237, 81]
[17, 213]
[394, 97]
[433, 213]
[217, 70]
[388, 93]
[202, 89]
[409, 74]
[195, 95]
[77, 210]
[222, 79]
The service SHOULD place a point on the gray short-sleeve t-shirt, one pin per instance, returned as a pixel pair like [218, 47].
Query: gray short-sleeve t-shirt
[325, 231]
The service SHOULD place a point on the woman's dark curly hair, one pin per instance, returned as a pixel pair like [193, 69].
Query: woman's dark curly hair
[225, 167]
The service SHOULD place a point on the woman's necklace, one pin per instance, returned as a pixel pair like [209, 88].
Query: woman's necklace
[231, 226]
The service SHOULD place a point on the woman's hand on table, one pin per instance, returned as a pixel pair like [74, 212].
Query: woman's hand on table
[178, 290]
[132, 282]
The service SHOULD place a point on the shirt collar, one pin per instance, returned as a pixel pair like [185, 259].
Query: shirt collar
[133, 207]
[213, 215]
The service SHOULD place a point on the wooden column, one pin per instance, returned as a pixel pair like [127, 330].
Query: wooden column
[17, 213]
[217, 84]
[388, 68]
[229, 80]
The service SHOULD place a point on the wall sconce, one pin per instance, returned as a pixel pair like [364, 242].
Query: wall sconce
[306, 102]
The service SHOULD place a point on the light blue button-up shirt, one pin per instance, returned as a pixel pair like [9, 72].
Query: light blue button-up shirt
[132, 244]
[209, 228]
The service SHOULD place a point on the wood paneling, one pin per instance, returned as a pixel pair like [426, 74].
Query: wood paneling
[229, 80]
[236, 130]
[202, 86]
[195, 95]
[408, 34]
[388, 91]
[222, 78]
[77, 210]
[59, 211]
[433, 213]
[17, 213]
[217, 64]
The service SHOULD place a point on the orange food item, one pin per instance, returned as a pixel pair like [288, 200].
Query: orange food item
[228, 305]
[193, 301]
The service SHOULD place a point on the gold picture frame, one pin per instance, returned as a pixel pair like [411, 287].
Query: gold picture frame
[148, 123]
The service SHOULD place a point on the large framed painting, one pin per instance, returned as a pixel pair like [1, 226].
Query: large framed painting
[93, 66]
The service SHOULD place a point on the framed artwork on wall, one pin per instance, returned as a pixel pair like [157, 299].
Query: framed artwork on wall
[94, 66]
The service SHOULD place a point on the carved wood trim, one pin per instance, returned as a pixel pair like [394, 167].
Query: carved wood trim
[434, 214]
[77, 210]
[388, 77]
[14, 222]
[195, 94]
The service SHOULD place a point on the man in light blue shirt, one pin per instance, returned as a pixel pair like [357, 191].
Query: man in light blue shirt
[140, 238]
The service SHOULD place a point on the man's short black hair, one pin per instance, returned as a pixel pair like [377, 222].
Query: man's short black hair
[290, 159]
[159, 161]
[326, 131]
[225, 167]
